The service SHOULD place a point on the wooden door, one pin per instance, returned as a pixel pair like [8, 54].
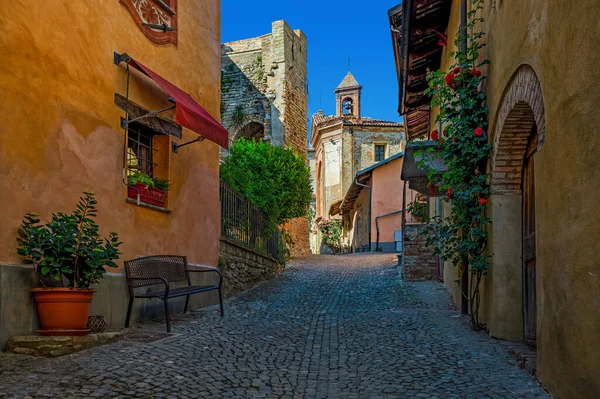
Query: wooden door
[529, 252]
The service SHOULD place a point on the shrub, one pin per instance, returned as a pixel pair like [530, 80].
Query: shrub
[275, 179]
[68, 246]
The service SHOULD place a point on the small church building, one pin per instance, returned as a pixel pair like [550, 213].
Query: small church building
[344, 145]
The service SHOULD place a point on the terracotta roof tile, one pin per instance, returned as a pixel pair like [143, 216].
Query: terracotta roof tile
[348, 120]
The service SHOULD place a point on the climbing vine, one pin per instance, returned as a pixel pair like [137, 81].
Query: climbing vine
[463, 146]
[331, 231]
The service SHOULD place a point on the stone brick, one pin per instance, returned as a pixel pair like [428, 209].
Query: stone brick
[418, 260]
[244, 267]
[522, 107]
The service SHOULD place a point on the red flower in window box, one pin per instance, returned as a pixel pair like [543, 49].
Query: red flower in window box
[434, 135]
[149, 195]
[478, 132]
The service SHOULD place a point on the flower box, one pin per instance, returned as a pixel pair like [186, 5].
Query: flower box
[417, 178]
[150, 195]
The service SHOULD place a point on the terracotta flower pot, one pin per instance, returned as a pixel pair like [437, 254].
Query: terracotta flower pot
[63, 311]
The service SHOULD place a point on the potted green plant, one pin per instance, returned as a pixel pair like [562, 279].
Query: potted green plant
[151, 190]
[68, 255]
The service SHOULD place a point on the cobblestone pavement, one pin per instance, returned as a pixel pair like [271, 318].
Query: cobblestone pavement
[328, 327]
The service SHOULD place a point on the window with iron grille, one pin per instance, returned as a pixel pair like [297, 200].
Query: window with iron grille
[140, 152]
[379, 152]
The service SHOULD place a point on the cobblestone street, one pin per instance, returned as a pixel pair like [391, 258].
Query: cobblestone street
[328, 327]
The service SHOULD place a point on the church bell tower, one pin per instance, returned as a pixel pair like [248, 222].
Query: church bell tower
[347, 97]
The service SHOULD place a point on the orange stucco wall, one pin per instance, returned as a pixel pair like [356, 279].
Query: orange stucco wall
[388, 192]
[387, 196]
[60, 130]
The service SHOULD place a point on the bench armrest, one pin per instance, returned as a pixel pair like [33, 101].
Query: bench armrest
[164, 281]
[207, 269]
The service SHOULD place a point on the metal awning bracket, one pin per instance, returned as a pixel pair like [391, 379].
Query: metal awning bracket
[150, 114]
[118, 58]
[175, 147]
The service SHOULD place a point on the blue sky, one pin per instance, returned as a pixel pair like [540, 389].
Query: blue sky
[335, 31]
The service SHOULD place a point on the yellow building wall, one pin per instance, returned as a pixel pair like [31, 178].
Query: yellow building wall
[560, 42]
[60, 131]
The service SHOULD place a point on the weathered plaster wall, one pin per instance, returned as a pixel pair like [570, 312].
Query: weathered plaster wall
[60, 133]
[332, 159]
[365, 138]
[243, 267]
[388, 193]
[560, 44]
[359, 235]
[566, 63]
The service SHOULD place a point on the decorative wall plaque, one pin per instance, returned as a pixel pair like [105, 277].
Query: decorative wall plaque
[156, 18]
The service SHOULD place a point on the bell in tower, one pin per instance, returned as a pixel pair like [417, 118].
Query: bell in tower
[348, 97]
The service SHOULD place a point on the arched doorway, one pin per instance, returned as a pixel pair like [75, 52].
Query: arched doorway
[518, 135]
[251, 131]
[529, 247]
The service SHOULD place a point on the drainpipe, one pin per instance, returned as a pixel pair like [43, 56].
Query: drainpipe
[370, 198]
[377, 223]
[464, 306]
[439, 260]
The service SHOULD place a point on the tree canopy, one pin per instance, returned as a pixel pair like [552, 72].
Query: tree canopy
[276, 179]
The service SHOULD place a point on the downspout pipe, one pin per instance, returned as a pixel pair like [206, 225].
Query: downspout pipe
[370, 203]
[377, 223]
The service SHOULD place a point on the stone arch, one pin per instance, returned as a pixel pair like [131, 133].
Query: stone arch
[251, 130]
[347, 106]
[521, 107]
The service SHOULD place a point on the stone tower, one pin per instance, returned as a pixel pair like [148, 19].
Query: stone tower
[347, 97]
[264, 90]
[264, 95]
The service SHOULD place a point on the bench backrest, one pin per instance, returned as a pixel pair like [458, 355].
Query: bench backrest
[171, 267]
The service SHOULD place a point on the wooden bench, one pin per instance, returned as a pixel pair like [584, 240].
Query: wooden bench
[163, 270]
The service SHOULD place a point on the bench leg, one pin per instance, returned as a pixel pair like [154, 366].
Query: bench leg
[129, 308]
[221, 302]
[167, 315]
[187, 302]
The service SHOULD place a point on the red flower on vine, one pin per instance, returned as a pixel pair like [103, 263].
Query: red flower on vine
[455, 140]
[483, 200]
[434, 135]
[478, 132]
[478, 73]
[442, 142]
[449, 193]
[450, 80]
[456, 70]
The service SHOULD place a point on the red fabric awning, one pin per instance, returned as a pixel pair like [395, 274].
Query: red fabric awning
[188, 112]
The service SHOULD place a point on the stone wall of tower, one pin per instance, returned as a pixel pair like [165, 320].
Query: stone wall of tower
[264, 81]
[244, 85]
